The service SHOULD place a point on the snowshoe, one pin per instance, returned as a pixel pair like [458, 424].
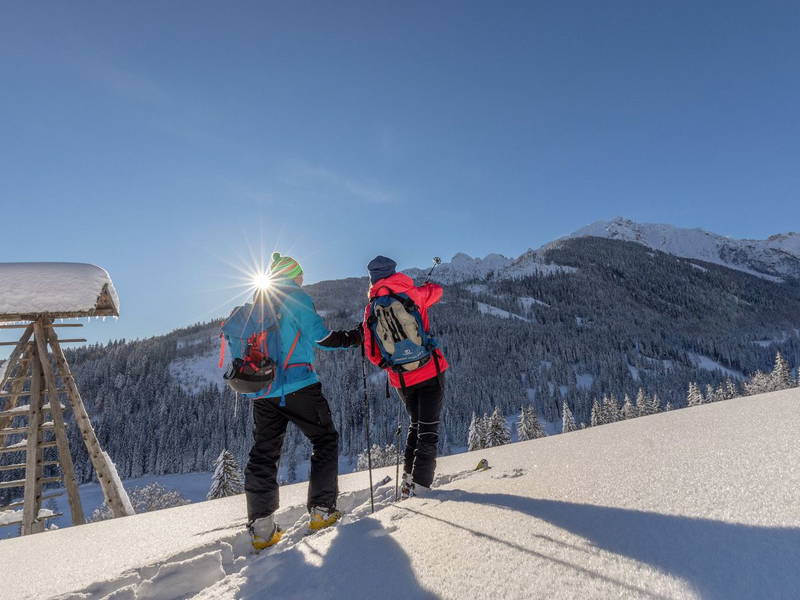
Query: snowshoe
[264, 533]
[322, 517]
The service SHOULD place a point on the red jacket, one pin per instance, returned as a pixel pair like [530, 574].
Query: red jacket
[424, 296]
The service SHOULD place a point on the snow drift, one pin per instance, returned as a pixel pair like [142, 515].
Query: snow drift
[694, 503]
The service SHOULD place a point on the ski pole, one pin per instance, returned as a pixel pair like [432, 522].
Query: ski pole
[436, 262]
[396, 444]
[369, 436]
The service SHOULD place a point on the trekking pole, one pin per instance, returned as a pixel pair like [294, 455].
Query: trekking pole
[369, 436]
[436, 262]
[396, 444]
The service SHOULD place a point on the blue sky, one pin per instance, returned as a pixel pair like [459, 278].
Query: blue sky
[167, 140]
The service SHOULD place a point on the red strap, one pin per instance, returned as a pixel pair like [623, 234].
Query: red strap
[221, 351]
[309, 365]
[291, 350]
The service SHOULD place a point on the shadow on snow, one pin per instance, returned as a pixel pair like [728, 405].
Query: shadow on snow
[721, 561]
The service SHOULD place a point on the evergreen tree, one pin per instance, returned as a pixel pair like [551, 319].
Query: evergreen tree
[655, 404]
[497, 433]
[781, 374]
[567, 420]
[611, 413]
[642, 405]
[709, 397]
[731, 389]
[628, 410]
[474, 434]
[694, 396]
[759, 383]
[227, 479]
[483, 430]
[668, 407]
[597, 414]
[528, 427]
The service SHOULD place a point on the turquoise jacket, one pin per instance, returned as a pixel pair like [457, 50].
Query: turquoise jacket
[301, 330]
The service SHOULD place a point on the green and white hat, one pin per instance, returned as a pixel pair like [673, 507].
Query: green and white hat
[284, 267]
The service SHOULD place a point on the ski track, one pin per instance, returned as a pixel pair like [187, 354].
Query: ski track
[230, 568]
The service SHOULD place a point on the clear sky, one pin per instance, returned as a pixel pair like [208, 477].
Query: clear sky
[166, 140]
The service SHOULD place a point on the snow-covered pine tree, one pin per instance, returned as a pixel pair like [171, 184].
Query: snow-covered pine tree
[731, 389]
[642, 405]
[227, 479]
[655, 404]
[781, 375]
[668, 407]
[474, 434]
[497, 433]
[567, 420]
[759, 383]
[610, 409]
[528, 427]
[483, 430]
[694, 396]
[628, 410]
[709, 396]
[597, 414]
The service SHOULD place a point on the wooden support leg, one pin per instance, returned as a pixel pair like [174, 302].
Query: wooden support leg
[33, 463]
[115, 495]
[62, 443]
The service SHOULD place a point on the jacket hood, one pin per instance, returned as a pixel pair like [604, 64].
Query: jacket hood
[399, 282]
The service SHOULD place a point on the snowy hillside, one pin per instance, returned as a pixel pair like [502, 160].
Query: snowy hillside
[696, 503]
[778, 256]
[465, 268]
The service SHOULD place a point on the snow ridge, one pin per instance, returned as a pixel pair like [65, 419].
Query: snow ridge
[774, 258]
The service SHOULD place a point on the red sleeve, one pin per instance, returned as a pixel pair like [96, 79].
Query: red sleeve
[369, 349]
[429, 294]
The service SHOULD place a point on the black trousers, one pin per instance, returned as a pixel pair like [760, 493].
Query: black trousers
[424, 405]
[308, 409]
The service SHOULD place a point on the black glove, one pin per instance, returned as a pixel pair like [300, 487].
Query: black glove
[343, 339]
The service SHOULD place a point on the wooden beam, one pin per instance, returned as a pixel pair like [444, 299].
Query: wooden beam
[117, 499]
[33, 462]
[51, 325]
[76, 340]
[38, 519]
[18, 503]
[18, 430]
[16, 388]
[41, 335]
[14, 467]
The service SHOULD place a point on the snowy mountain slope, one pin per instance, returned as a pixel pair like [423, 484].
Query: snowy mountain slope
[696, 503]
[776, 257]
[465, 268]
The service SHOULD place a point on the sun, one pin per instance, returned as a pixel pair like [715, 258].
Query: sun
[262, 281]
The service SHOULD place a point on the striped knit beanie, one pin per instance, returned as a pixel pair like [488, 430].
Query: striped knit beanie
[284, 267]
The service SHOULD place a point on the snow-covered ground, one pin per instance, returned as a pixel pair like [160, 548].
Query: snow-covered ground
[197, 372]
[694, 503]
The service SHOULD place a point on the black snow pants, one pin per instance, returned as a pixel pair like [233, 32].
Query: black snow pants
[308, 409]
[424, 405]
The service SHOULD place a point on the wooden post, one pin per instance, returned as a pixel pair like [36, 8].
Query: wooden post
[115, 498]
[17, 386]
[33, 463]
[62, 443]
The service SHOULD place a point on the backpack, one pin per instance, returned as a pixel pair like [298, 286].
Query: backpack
[251, 333]
[397, 330]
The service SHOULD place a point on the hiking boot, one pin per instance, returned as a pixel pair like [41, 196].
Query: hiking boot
[406, 487]
[264, 532]
[322, 517]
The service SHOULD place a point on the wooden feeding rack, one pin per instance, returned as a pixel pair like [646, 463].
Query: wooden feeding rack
[32, 297]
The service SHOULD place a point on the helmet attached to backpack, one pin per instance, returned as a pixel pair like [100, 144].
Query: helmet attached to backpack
[397, 329]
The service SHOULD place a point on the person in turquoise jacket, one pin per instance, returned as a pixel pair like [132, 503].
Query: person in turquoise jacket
[296, 396]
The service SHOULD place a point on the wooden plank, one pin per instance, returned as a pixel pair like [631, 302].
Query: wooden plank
[14, 467]
[39, 518]
[18, 430]
[23, 410]
[75, 314]
[28, 393]
[76, 340]
[21, 482]
[19, 503]
[51, 325]
[113, 495]
[41, 334]
[33, 462]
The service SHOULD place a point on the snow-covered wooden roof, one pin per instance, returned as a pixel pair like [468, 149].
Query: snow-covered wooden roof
[57, 290]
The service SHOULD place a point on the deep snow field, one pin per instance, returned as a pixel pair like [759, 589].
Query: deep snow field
[702, 502]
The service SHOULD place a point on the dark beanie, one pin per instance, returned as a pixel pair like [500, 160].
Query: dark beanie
[380, 267]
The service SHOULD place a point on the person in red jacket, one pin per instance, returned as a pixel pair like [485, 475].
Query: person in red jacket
[421, 389]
